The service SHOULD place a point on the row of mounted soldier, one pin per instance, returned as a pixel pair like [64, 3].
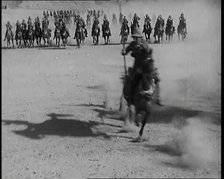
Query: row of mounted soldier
[29, 32]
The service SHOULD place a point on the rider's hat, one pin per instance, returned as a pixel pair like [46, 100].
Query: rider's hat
[136, 33]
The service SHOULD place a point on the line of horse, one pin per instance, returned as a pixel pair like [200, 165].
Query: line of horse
[30, 36]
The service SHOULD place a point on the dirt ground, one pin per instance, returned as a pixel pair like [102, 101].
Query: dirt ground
[60, 106]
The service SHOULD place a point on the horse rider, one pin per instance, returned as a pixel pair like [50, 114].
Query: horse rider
[147, 18]
[18, 27]
[37, 22]
[143, 63]
[105, 25]
[64, 28]
[136, 19]
[182, 21]
[8, 27]
[79, 25]
[159, 21]
[29, 22]
[125, 21]
[23, 25]
[58, 25]
[83, 26]
[169, 21]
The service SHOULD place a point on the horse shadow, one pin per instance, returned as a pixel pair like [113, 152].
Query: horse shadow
[159, 114]
[57, 125]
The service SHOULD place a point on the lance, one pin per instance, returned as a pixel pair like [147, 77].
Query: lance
[123, 43]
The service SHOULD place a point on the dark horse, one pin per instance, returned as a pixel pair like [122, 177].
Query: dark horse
[169, 31]
[9, 37]
[147, 29]
[95, 34]
[19, 36]
[138, 109]
[106, 33]
[64, 36]
[124, 33]
[134, 25]
[158, 32]
[181, 30]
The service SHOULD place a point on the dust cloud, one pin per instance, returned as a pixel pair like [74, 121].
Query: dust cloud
[195, 144]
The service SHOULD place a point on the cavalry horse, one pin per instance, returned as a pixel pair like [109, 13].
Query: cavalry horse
[106, 33]
[19, 37]
[46, 35]
[124, 33]
[158, 32]
[95, 34]
[181, 30]
[79, 35]
[139, 108]
[9, 37]
[37, 34]
[64, 36]
[30, 37]
[58, 36]
[147, 29]
[169, 31]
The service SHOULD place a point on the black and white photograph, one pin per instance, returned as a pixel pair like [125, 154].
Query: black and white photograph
[111, 89]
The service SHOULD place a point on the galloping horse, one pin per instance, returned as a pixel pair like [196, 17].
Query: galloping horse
[30, 37]
[147, 29]
[158, 33]
[141, 102]
[124, 33]
[95, 33]
[106, 33]
[37, 34]
[19, 36]
[79, 35]
[46, 34]
[58, 36]
[9, 37]
[64, 36]
[169, 31]
[181, 30]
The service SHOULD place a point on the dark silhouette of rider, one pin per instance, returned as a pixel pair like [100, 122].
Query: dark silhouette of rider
[182, 22]
[105, 25]
[143, 63]
[136, 19]
[169, 21]
[125, 21]
[8, 27]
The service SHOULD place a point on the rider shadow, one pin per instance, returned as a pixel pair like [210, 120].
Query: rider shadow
[57, 125]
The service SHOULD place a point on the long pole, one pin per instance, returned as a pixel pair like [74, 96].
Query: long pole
[123, 43]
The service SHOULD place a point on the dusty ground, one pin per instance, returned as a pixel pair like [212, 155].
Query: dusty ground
[55, 124]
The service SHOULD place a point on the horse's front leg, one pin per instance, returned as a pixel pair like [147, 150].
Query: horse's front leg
[146, 116]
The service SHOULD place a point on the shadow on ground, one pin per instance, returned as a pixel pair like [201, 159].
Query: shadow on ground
[164, 114]
[58, 126]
